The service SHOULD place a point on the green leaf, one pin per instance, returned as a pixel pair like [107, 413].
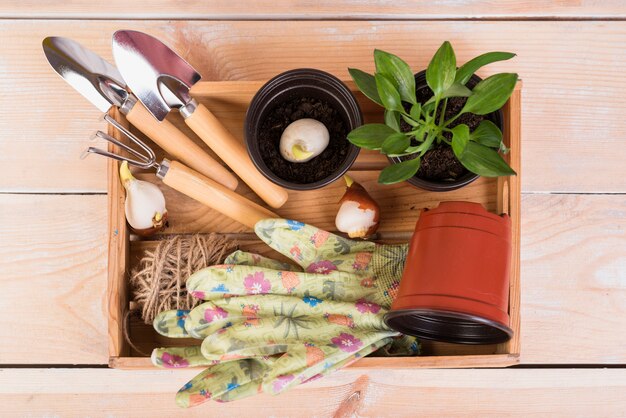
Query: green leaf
[370, 136]
[460, 138]
[484, 161]
[366, 83]
[396, 144]
[478, 158]
[416, 111]
[487, 134]
[410, 121]
[429, 136]
[395, 68]
[398, 172]
[442, 69]
[455, 90]
[490, 94]
[464, 73]
[410, 150]
[388, 93]
[428, 107]
[419, 135]
[392, 119]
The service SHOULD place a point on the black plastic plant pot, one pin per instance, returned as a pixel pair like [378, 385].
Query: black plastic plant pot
[286, 88]
[466, 178]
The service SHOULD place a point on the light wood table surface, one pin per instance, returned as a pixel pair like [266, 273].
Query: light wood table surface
[53, 255]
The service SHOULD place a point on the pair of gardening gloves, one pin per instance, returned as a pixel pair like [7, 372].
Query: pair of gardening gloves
[267, 326]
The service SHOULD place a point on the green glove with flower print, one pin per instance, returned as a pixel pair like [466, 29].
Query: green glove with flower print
[267, 326]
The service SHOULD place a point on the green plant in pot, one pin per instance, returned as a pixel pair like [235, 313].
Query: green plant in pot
[443, 126]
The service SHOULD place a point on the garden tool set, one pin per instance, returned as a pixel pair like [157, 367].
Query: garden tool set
[208, 182]
[100, 83]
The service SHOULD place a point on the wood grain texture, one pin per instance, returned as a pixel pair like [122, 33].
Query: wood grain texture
[509, 201]
[573, 132]
[573, 279]
[429, 393]
[368, 364]
[325, 9]
[53, 263]
[119, 248]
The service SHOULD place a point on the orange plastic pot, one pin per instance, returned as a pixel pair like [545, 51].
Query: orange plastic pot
[455, 285]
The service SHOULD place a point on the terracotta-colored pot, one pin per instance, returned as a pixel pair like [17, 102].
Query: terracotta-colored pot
[455, 285]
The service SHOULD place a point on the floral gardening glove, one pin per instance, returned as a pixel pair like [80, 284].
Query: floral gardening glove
[268, 326]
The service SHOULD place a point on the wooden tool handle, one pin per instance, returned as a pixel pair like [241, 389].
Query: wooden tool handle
[179, 146]
[232, 151]
[214, 195]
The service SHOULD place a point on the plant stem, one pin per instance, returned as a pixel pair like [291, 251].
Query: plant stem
[437, 100]
[443, 111]
[427, 143]
[452, 119]
[439, 127]
[431, 122]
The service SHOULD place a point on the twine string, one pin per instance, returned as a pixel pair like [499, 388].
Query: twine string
[158, 283]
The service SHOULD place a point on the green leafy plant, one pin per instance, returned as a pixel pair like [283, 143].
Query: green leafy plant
[393, 87]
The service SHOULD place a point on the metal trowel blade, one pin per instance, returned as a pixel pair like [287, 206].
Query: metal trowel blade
[158, 76]
[91, 75]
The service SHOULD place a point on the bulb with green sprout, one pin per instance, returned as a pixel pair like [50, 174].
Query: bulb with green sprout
[303, 140]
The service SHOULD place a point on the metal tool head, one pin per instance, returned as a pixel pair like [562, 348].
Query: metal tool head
[92, 76]
[146, 159]
[158, 76]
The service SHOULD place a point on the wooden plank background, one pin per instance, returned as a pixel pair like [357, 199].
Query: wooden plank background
[430, 393]
[53, 209]
[310, 9]
[53, 281]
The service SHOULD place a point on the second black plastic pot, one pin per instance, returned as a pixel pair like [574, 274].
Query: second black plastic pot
[445, 186]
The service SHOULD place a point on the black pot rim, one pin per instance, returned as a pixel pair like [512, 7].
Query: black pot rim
[447, 326]
[306, 77]
[445, 186]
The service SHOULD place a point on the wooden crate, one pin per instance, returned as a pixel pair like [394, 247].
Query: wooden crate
[400, 206]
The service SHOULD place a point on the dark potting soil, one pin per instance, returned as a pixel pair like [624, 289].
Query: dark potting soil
[319, 167]
[440, 163]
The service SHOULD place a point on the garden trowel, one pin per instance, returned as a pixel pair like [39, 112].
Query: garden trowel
[100, 83]
[161, 79]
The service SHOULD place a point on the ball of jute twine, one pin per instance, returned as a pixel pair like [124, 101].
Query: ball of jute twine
[158, 283]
